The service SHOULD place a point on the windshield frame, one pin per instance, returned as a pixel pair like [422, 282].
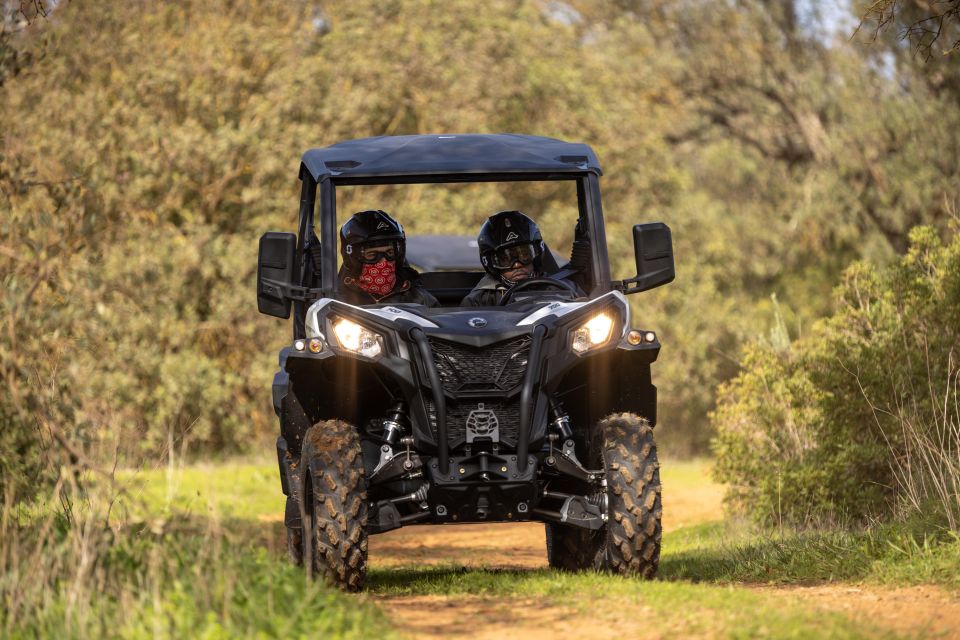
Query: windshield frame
[590, 212]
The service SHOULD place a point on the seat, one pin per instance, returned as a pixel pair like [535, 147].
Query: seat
[450, 287]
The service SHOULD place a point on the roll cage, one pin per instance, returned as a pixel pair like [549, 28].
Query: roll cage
[439, 159]
[590, 219]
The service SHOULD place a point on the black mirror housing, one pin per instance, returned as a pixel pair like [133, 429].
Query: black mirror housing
[653, 247]
[275, 273]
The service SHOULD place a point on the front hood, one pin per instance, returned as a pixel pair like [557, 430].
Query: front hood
[477, 325]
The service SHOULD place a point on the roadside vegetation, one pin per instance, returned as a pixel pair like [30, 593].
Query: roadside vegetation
[812, 334]
[146, 146]
[172, 553]
[859, 420]
[891, 554]
[182, 552]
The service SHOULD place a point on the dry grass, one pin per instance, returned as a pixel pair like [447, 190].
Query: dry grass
[95, 559]
[926, 461]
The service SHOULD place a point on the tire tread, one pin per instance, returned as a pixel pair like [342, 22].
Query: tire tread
[333, 463]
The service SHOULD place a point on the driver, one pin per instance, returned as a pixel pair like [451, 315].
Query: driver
[511, 250]
[375, 270]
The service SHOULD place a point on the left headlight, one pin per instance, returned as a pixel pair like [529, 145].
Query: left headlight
[593, 333]
[357, 338]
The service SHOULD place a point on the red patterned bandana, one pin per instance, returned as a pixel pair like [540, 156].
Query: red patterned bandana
[378, 279]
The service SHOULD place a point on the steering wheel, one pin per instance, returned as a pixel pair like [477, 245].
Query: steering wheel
[532, 283]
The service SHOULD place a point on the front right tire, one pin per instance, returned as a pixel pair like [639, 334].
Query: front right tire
[629, 544]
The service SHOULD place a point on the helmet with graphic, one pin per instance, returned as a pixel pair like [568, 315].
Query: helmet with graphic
[509, 238]
[367, 230]
[373, 247]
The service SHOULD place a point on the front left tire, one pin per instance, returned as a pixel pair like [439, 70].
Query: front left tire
[334, 498]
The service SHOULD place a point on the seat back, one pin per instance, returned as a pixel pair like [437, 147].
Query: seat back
[450, 287]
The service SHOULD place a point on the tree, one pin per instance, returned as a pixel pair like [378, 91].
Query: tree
[923, 23]
[16, 18]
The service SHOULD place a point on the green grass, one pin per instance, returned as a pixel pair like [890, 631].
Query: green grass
[734, 551]
[198, 552]
[719, 553]
[688, 608]
[686, 474]
[232, 489]
[908, 553]
[188, 554]
[184, 581]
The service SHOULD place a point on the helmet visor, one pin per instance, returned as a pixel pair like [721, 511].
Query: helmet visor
[506, 257]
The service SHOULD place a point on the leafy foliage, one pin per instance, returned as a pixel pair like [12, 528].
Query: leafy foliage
[146, 146]
[859, 418]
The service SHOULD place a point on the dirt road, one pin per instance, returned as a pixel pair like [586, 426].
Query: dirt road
[913, 611]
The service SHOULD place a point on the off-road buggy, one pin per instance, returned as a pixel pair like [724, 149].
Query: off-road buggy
[539, 409]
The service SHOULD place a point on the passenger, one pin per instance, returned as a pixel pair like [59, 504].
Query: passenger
[511, 250]
[375, 270]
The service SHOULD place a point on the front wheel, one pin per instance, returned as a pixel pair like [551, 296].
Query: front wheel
[629, 543]
[334, 500]
[295, 546]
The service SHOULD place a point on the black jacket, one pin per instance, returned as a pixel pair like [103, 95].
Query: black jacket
[487, 293]
[407, 289]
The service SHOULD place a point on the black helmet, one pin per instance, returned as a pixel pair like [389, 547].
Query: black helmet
[370, 227]
[504, 230]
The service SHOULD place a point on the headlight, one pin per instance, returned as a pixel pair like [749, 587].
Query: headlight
[357, 338]
[594, 333]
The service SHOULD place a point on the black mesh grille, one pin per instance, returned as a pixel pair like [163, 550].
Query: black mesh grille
[497, 367]
[508, 418]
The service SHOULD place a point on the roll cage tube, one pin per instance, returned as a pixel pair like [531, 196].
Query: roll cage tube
[328, 238]
[308, 190]
[592, 209]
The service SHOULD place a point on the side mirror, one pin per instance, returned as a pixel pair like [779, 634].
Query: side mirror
[275, 273]
[653, 247]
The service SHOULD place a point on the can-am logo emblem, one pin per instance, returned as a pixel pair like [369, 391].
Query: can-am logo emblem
[477, 323]
[511, 236]
[382, 225]
[483, 423]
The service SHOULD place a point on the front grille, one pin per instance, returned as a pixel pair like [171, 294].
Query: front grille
[497, 367]
[507, 412]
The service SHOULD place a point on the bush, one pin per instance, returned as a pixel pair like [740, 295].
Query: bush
[92, 571]
[146, 146]
[858, 419]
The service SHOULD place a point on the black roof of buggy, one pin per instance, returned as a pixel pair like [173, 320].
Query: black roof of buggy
[446, 154]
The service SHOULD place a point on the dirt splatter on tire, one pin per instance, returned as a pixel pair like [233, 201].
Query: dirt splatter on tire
[631, 544]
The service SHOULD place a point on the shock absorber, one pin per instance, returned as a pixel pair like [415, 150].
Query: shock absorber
[394, 425]
[560, 421]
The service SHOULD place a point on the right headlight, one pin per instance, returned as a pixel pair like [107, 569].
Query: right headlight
[357, 339]
[593, 333]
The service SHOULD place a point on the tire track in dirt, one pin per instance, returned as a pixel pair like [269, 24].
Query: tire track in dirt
[499, 547]
[925, 611]
[921, 611]
[510, 547]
